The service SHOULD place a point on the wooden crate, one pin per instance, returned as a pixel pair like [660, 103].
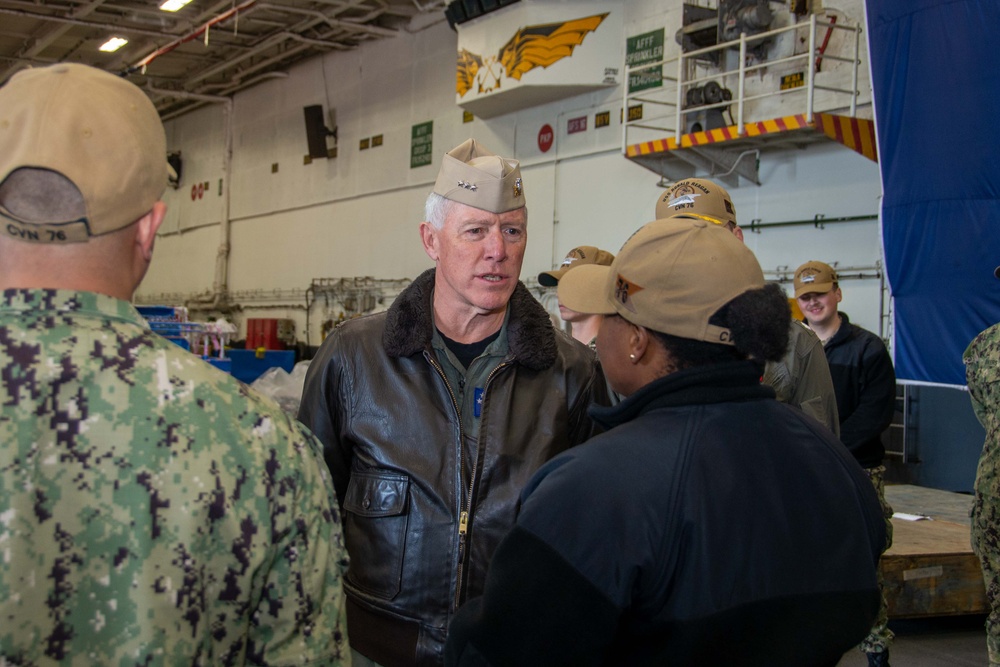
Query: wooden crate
[930, 569]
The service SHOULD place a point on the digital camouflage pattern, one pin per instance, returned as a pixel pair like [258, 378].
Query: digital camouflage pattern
[880, 637]
[153, 510]
[982, 374]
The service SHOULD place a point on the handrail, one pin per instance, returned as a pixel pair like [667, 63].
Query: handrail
[673, 91]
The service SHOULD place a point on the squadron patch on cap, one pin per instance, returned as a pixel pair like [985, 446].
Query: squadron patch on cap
[814, 276]
[686, 198]
[697, 198]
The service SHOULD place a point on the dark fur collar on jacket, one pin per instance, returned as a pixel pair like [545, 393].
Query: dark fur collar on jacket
[408, 323]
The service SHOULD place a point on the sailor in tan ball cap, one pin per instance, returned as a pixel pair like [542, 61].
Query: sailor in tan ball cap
[437, 412]
[701, 199]
[583, 326]
[153, 509]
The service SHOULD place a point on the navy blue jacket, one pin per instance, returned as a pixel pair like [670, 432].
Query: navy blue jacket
[711, 525]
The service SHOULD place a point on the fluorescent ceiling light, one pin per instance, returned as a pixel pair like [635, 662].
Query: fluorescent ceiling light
[173, 5]
[113, 44]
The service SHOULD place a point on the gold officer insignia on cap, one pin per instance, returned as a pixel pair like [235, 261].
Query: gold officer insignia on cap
[473, 175]
[625, 290]
[518, 189]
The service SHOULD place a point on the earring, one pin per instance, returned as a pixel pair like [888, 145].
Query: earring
[632, 357]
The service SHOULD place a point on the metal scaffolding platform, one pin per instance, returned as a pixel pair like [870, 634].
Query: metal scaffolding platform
[675, 113]
[723, 152]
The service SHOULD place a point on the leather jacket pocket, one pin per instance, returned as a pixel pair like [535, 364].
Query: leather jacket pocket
[375, 518]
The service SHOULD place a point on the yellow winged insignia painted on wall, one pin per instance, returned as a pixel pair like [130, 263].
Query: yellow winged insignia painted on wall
[468, 66]
[530, 47]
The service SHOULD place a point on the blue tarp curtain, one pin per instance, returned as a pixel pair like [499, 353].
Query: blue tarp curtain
[935, 68]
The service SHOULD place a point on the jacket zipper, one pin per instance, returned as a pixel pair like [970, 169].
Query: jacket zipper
[463, 517]
[464, 503]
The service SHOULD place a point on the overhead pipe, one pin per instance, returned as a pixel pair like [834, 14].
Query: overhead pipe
[84, 23]
[41, 42]
[183, 94]
[334, 22]
[141, 65]
[269, 23]
[207, 13]
[370, 16]
[246, 8]
[818, 221]
[227, 90]
[304, 43]
[273, 40]
[250, 7]
[384, 8]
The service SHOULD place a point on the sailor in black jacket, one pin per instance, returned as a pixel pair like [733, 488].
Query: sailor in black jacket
[865, 384]
[863, 377]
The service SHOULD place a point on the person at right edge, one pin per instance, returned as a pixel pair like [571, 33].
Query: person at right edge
[709, 525]
[982, 374]
[865, 382]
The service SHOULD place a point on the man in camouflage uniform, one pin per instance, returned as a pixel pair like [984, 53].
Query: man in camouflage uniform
[153, 510]
[982, 361]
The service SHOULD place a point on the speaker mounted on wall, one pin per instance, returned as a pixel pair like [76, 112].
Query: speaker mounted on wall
[174, 160]
[317, 131]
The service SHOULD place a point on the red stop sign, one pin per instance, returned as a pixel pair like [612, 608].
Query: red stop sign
[545, 138]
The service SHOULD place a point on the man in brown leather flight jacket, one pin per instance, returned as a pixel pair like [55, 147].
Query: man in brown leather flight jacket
[436, 412]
